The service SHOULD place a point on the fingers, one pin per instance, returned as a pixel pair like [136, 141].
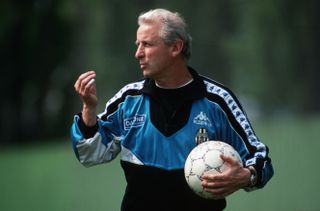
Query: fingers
[224, 184]
[85, 87]
[85, 82]
[214, 180]
[91, 82]
[213, 184]
[216, 188]
[217, 185]
[228, 159]
[219, 193]
[84, 79]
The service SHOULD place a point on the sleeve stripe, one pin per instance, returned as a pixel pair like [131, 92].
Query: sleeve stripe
[112, 104]
[235, 111]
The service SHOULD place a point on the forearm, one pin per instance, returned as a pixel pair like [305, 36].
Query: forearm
[89, 116]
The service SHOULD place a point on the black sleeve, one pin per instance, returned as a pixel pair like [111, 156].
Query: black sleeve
[87, 132]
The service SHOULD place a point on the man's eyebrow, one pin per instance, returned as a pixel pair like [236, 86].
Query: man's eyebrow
[142, 41]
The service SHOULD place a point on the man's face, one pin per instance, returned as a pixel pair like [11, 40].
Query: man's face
[153, 54]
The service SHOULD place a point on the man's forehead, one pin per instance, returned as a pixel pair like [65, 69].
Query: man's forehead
[148, 31]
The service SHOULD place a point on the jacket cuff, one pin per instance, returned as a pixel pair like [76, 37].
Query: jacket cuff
[87, 132]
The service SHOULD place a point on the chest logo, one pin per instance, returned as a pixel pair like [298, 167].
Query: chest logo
[202, 119]
[135, 121]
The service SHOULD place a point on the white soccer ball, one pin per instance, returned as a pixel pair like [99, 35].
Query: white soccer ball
[206, 158]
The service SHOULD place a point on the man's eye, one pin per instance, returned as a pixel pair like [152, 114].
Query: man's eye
[144, 44]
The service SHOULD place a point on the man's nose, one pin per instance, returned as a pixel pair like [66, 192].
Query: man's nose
[140, 52]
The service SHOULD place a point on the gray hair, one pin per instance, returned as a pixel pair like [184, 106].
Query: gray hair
[173, 28]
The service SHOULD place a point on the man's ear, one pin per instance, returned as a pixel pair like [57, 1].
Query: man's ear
[177, 47]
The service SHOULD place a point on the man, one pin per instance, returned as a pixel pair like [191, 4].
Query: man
[153, 123]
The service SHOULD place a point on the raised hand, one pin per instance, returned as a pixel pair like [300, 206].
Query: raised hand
[86, 88]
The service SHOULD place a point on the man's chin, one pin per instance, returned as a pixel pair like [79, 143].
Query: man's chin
[146, 73]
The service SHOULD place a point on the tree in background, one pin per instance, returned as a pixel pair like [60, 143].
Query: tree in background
[266, 50]
[35, 40]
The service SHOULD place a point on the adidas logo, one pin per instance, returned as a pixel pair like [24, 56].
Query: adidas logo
[202, 119]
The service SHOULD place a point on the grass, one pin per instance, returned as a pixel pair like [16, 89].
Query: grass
[48, 176]
[294, 149]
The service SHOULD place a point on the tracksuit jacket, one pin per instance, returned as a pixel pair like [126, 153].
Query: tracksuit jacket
[154, 130]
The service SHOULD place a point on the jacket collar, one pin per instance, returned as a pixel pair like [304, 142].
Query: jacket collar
[196, 90]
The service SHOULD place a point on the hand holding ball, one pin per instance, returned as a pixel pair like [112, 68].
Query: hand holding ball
[205, 158]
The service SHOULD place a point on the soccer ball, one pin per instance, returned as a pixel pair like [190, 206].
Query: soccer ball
[206, 158]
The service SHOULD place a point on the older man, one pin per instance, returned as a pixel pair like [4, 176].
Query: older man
[153, 123]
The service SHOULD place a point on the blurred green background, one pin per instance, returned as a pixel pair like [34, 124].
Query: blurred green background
[267, 52]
